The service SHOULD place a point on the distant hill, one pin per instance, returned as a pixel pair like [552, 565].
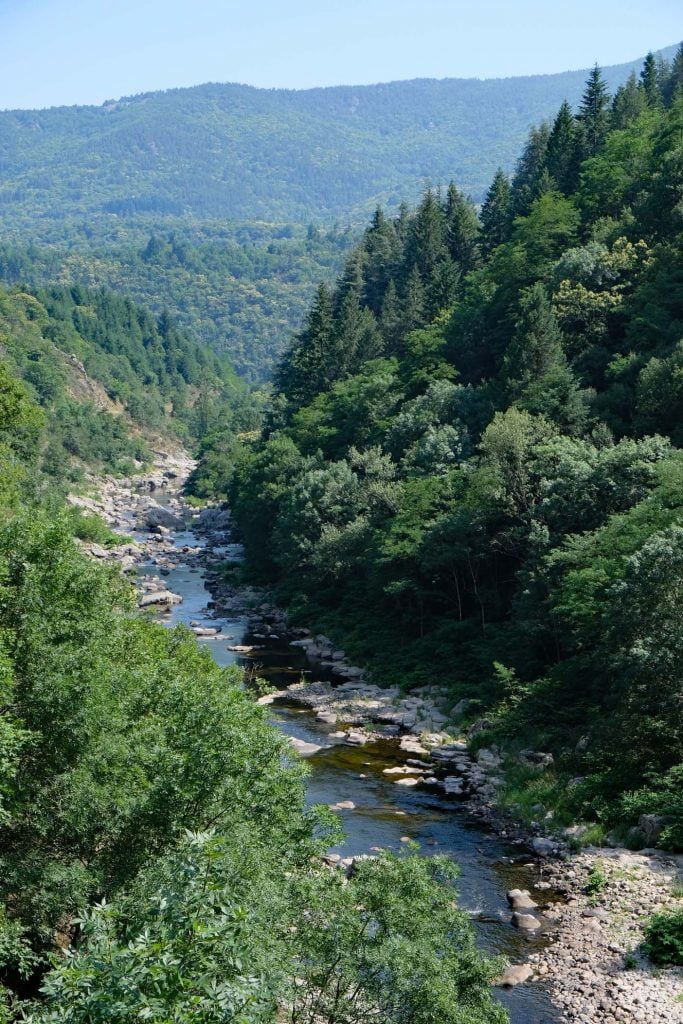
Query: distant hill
[240, 153]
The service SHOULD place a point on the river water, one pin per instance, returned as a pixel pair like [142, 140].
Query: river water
[385, 814]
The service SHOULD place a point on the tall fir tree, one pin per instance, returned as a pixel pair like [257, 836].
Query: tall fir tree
[594, 112]
[528, 182]
[496, 213]
[673, 85]
[303, 369]
[413, 302]
[462, 230]
[650, 81]
[382, 254]
[563, 155]
[425, 246]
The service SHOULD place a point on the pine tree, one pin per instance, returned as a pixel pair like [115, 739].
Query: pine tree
[673, 84]
[628, 103]
[496, 213]
[528, 179]
[649, 81]
[391, 320]
[303, 370]
[442, 287]
[426, 240]
[382, 252]
[537, 343]
[563, 156]
[413, 302]
[594, 112]
[462, 230]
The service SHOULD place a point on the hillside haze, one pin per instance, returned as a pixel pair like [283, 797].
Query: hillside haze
[239, 153]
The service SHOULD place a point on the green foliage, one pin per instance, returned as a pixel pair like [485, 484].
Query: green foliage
[219, 943]
[500, 492]
[596, 881]
[234, 241]
[664, 939]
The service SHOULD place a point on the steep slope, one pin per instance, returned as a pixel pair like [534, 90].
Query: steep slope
[471, 473]
[108, 377]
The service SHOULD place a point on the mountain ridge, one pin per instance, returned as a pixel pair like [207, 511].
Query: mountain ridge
[242, 153]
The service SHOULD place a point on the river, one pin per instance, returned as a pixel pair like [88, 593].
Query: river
[384, 814]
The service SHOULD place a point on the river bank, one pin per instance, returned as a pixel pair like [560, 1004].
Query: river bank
[587, 955]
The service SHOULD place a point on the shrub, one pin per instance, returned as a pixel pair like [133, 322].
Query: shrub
[664, 939]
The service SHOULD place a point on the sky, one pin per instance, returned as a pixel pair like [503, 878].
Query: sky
[88, 51]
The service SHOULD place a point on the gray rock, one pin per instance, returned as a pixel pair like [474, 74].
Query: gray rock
[516, 974]
[535, 758]
[519, 899]
[543, 847]
[159, 597]
[156, 515]
[651, 825]
[527, 922]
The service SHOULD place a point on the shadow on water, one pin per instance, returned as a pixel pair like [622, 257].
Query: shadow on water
[384, 814]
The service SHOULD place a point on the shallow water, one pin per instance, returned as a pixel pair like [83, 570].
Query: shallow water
[384, 813]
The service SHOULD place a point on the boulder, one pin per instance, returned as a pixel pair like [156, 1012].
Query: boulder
[543, 847]
[156, 515]
[527, 922]
[535, 758]
[459, 709]
[303, 748]
[328, 717]
[159, 597]
[516, 974]
[519, 899]
[651, 825]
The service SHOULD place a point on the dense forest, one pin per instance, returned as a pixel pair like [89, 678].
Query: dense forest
[242, 290]
[108, 376]
[153, 197]
[239, 153]
[158, 861]
[471, 467]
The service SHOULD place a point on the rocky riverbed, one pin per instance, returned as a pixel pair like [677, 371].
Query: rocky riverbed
[592, 964]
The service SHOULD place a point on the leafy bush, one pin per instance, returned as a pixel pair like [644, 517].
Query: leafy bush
[664, 939]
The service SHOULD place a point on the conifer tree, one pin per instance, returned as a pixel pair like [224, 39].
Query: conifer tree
[496, 213]
[628, 103]
[382, 252]
[303, 370]
[391, 320]
[462, 230]
[442, 287]
[563, 156]
[413, 302]
[649, 81]
[594, 112]
[537, 343]
[426, 240]
[527, 184]
[673, 84]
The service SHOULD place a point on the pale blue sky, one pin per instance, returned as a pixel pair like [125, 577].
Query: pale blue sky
[87, 51]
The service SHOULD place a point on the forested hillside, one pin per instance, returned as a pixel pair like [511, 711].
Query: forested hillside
[471, 470]
[106, 377]
[239, 153]
[217, 203]
[242, 290]
[158, 861]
